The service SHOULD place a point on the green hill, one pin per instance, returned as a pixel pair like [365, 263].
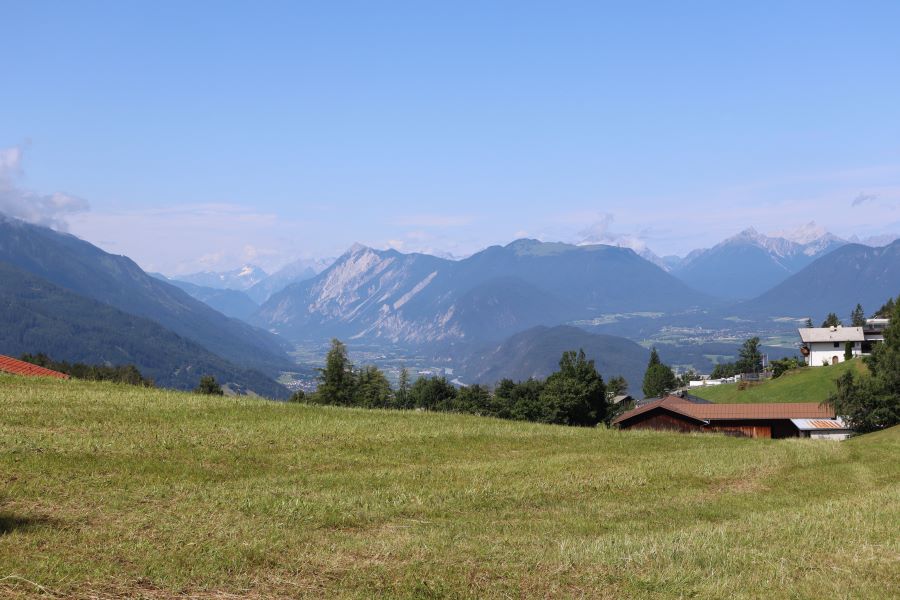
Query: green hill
[115, 491]
[37, 316]
[811, 384]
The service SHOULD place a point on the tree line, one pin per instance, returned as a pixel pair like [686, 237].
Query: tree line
[118, 373]
[857, 316]
[573, 395]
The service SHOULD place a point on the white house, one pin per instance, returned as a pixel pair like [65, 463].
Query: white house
[826, 345]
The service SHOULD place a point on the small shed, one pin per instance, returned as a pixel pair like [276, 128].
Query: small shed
[823, 429]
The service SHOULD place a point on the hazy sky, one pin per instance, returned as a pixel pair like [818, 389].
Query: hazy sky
[196, 135]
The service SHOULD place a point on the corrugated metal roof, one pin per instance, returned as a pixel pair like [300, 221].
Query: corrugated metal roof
[827, 334]
[723, 412]
[817, 424]
[20, 367]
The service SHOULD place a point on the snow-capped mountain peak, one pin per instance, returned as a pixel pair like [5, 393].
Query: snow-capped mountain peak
[804, 234]
[242, 278]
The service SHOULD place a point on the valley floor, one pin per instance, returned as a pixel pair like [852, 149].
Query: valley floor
[114, 491]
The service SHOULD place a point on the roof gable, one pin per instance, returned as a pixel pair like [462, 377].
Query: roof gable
[809, 335]
[20, 367]
[724, 412]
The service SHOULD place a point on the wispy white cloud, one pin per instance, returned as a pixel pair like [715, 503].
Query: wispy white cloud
[51, 210]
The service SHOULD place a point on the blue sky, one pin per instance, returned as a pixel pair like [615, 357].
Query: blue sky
[205, 134]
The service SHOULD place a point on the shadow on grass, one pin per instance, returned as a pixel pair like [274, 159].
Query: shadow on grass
[10, 523]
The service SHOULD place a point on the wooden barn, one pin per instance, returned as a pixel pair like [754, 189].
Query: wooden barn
[20, 367]
[744, 420]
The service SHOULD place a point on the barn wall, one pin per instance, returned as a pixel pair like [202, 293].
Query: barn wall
[741, 429]
[663, 421]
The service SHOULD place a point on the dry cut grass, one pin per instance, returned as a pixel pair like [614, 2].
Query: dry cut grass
[109, 491]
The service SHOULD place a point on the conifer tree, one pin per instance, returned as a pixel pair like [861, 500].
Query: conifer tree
[831, 320]
[336, 380]
[659, 378]
[858, 316]
[401, 398]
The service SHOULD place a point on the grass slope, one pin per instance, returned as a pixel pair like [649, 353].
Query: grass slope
[113, 491]
[812, 384]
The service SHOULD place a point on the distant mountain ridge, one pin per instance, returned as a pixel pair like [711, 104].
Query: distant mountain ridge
[418, 298]
[835, 282]
[294, 272]
[242, 278]
[86, 270]
[231, 303]
[749, 263]
[38, 316]
[536, 353]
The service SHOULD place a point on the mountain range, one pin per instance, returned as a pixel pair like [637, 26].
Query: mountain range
[835, 282]
[231, 303]
[418, 299]
[513, 298]
[38, 316]
[87, 271]
[749, 263]
[242, 278]
[294, 272]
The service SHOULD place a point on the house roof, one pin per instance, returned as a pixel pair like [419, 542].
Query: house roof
[20, 367]
[820, 424]
[722, 412]
[827, 334]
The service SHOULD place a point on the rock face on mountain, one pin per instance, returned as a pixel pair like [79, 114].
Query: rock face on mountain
[242, 278]
[536, 353]
[835, 282]
[84, 269]
[37, 316]
[750, 263]
[418, 299]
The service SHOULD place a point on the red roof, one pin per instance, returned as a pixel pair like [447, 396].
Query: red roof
[719, 412]
[20, 367]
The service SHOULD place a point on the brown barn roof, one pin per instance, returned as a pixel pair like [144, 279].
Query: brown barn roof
[20, 367]
[717, 412]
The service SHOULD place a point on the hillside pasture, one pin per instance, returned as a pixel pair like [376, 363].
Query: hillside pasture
[115, 491]
[807, 384]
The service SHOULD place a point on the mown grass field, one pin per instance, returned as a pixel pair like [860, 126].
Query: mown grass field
[111, 491]
[808, 384]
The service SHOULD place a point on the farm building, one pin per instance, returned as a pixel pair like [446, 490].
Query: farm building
[826, 345]
[20, 367]
[673, 413]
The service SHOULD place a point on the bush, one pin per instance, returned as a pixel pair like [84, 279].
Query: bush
[209, 386]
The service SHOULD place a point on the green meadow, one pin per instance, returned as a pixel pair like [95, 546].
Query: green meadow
[808, 384]
[112, 491]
